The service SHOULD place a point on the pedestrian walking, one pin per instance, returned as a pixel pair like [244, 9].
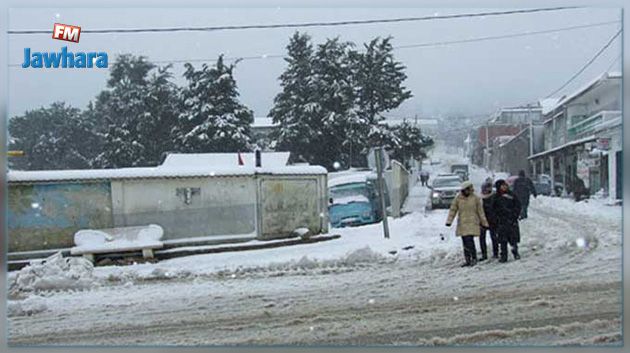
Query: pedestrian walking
[424, 178]
[523, 189]
[506, 209]
[468, 209]
[486, 198]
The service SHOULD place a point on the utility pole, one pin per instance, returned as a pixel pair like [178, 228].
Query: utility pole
[378, 155]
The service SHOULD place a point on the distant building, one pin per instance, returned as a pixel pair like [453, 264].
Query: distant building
[517, 115]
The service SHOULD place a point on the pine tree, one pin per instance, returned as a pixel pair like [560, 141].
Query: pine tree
[379, 84]
[334, 117]
[212, 118]
[295, 105]
[408, 142]
[119, 109]
[137, 114]
[159, 121]
[55, 137]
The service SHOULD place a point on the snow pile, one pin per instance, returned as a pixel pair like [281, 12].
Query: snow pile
[180, 268]
[591, 208]
[26, 307]
[54, 273]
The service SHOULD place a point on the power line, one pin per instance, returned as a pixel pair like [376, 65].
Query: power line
[305, 24]
[409, 46]
[504, 36]
[586, 65]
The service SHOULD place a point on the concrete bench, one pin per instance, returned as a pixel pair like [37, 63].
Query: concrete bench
[90, 242]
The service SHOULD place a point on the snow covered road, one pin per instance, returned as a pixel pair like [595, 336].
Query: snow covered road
[566, 289]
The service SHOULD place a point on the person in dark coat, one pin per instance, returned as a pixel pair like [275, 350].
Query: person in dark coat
[486, 197]
[506, 209]
[523, 188]
[424, 178]
[579, 189]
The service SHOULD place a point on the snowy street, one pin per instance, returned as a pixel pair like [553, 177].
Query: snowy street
[359, 289]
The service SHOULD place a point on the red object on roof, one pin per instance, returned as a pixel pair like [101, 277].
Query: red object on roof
[240, 159]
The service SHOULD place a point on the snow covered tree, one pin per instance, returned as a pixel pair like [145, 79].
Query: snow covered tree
[333, 116]
[136, 113]
[294, 105]
[332, 99]
[212, 118]
[407, 142]
[54, 137]
[379, 88]
[158, 123]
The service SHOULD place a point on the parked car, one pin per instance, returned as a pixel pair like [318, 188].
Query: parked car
[542, 188]
[444, 189]
[543, 181]
[461, 170]
[354, 201]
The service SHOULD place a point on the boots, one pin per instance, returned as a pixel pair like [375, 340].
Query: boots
[471, 260]
[515, 250]
[504, 255]
[516, 255]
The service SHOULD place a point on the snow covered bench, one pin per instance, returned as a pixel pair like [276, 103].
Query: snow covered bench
[113, 240]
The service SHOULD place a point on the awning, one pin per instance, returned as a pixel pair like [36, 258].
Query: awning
[568, 144]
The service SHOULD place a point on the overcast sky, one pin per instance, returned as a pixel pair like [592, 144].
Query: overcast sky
[468, 79]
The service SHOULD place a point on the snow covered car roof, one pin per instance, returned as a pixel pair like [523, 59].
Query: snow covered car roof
[348, 179]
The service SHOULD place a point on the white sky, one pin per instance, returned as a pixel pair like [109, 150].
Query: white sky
[471, 78]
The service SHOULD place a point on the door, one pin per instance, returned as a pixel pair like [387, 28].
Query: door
[287, 204]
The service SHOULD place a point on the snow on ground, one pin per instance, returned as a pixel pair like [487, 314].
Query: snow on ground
[417, 236]
[359, 289]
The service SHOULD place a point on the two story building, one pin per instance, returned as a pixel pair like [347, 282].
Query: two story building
[583, 138]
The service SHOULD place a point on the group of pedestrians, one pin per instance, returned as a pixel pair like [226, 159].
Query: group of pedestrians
[496, 212]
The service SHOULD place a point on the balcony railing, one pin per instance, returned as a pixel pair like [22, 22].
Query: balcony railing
[589, 125]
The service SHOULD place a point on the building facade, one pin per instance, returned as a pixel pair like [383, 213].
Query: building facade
[583, 138]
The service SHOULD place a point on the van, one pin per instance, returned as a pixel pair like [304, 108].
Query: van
[354, 200]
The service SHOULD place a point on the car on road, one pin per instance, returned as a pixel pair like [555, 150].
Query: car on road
[461, 170]
[443, 190]
[354, 200]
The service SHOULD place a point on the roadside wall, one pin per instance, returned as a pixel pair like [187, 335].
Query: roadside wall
[291, 202]
[187, 207]
[46, 216]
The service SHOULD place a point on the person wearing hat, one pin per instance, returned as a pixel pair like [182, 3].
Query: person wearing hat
[486, 197]
[506, 209]
[470, 217]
